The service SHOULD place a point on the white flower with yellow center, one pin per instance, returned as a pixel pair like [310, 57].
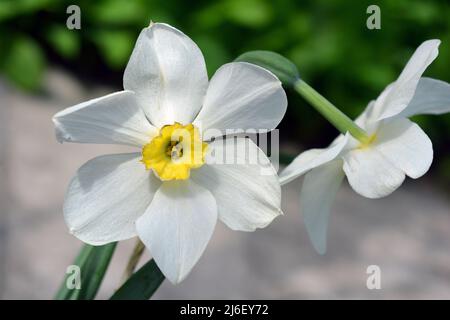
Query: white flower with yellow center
[171, 193]
[395, 148]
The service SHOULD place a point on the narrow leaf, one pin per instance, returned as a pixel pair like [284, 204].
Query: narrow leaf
[142, 284]
[93, 262]
[282, 67]
[64, 293]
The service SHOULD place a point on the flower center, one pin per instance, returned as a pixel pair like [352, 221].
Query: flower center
[174, 152]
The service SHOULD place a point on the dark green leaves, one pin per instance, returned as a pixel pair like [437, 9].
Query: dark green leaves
[66, 42]
[114, 45]
[142, 284]
[93, 262]
[283, 68]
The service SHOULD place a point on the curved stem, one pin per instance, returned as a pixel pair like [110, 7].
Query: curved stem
[134, 260]
[335, 116]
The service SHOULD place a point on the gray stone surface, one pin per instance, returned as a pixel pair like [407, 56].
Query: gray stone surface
[406, 234]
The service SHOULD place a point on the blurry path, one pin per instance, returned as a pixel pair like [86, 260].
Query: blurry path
[406, 234]
[4, 204]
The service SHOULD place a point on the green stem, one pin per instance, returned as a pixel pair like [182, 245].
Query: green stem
[134, 260]
[337, 118]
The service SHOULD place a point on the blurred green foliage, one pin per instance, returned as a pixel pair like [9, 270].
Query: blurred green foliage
[327, 40]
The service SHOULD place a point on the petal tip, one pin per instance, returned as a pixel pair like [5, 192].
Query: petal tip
[61, 135]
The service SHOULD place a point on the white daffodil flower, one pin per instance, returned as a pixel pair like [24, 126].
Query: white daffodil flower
[396, 146]
[172, 191]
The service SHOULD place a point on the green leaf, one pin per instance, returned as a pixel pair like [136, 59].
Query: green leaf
[249, 13]
[142, 284]
[283, 68]
[115, 46]
[93, 262]
[66, 42]
[120, 12]
[25, 63]
[13, 8]
[64, 293]
[214, 52]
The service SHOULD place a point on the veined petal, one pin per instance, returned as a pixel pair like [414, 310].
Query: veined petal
[242, 96]
[432, 97]
[311, 159]
[114, 118]
[318, 192]
[106, 196]
[370, 174]
[405, 145]
[397, 96]
[168, 74]
[177, 226]
[246, 189]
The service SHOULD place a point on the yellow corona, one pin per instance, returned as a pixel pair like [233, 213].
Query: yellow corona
[174, 152]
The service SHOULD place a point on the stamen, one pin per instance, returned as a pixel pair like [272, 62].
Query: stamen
[176, 152]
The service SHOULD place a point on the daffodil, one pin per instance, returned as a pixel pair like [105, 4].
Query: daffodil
[171, 192]
[377, 158]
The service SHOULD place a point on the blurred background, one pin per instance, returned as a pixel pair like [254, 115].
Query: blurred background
[44, 67]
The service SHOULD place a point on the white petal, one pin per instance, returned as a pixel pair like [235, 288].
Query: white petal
[318, 192]
[168, 74]
[367, 121]
[106, 196]
[247, 191]
[397, 96]
[115, 118]
[177, 226]
[432, 97]
[242, 96]
[405, 145]
[313, 158]
[370, 174]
